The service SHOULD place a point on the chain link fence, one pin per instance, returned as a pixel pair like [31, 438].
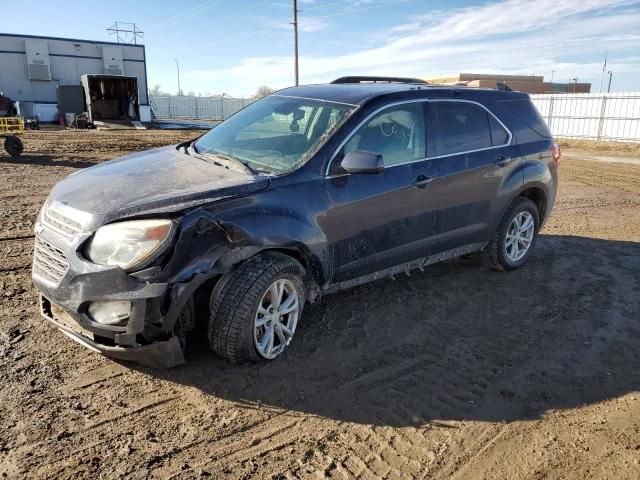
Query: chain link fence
[205, 108]
[592, 116]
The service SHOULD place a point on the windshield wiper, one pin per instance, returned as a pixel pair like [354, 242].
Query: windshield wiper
[246, 165]
[225, 160]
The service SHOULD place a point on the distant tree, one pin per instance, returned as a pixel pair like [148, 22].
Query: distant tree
[263, 91]
[156, 90]
[191, 93]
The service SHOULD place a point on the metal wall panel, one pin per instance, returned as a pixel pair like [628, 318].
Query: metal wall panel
[112, 56]
[38, 60]
[69, 60]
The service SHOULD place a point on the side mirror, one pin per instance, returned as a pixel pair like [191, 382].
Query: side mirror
[363, 161]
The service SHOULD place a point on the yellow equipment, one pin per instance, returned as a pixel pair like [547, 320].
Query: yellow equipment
[10, 128]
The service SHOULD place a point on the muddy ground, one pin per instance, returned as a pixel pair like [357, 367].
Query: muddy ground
[457, 372]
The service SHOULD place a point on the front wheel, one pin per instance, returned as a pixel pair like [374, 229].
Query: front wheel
[255, 313]
[13, 145]
[514, 237]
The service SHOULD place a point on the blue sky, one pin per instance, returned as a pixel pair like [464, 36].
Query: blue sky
[234, 46]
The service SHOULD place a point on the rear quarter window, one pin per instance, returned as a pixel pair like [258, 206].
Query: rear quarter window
[499, 136]
[526, 111]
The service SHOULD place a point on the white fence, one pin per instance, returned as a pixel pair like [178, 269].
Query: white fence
[588, 116]
[592, 116]
[210, 108]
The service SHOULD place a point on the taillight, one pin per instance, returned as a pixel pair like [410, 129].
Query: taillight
[556, 153]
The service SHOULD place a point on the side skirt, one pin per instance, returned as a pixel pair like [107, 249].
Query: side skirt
[406, 267]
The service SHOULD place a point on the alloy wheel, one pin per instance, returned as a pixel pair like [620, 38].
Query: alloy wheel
[276, 318]
[519, 236]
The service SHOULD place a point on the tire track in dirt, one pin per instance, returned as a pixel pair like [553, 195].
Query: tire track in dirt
[407, 379]
[119, 425]
[268, 435]
[17, 238]
[482, 365]
[18, 268]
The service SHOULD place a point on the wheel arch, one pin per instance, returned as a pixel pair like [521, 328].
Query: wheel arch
[538, 196]
[314, 274]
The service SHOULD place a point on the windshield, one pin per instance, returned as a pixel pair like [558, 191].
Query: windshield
[275, 134]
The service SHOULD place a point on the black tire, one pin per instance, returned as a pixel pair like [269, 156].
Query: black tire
[233, 305]
[13, 145]
[494, 254]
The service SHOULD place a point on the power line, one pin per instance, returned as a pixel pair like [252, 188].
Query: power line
[184, 15]
[216, 41]
[306, 9]
[206, 25]
[358, 9]
[172, 18]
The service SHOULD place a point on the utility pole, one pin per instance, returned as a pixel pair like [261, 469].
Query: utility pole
[575, 83]
[178, 67]
[610, 75]
[295, 41]
[552, 72]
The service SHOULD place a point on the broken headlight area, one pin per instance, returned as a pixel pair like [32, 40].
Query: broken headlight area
[110, 313]
[130, 245]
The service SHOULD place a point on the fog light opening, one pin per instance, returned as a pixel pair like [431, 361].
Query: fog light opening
[110, 313]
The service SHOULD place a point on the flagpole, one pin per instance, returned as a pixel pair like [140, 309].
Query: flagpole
[604, 68]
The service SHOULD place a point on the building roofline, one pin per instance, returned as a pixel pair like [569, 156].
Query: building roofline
[95, 42]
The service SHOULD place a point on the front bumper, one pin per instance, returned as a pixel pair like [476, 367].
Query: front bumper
[166, 353]
[68, 283]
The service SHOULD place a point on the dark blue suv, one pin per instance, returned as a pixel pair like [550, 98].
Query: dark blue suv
[308, 191]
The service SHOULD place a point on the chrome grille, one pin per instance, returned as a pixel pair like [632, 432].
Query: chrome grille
[49, 262]
[60, 223]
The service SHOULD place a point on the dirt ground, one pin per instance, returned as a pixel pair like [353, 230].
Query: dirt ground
[458, 372]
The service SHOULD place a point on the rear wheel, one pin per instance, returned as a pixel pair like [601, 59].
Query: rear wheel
[255, 313]
[13, 145]
[514, 237]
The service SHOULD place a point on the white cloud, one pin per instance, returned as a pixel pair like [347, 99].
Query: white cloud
[513, 36]
[311, 25]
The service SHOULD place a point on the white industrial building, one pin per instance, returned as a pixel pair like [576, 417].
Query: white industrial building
[32, 67]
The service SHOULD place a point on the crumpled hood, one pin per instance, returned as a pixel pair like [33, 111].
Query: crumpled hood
[163, 179]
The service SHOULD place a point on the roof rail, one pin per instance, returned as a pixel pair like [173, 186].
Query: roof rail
[357, 79]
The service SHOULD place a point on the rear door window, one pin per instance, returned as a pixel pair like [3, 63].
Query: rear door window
[461, 127]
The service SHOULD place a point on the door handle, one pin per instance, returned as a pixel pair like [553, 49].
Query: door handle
[422, 181]
[501, 160]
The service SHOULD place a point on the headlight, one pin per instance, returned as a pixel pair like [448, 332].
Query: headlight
[130, 245]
